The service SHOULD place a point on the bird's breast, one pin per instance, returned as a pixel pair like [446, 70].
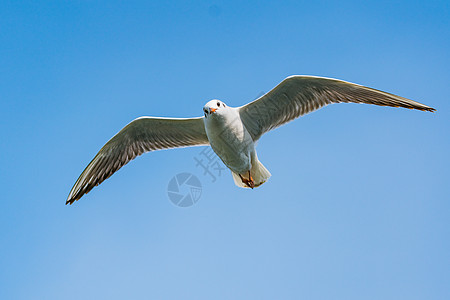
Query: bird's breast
[231, 141]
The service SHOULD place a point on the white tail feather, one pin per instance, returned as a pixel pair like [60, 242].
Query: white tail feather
[259, 174]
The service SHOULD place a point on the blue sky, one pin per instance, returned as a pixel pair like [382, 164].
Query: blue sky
[358, 203]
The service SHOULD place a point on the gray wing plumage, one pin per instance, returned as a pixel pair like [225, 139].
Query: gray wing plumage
[141, 135]
[299, 95]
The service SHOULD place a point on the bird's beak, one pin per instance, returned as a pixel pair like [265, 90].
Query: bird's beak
[211, 110]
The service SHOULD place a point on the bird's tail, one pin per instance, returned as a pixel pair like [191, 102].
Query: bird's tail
[259, 174]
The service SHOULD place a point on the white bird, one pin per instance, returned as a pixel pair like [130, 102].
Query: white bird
[231, 131]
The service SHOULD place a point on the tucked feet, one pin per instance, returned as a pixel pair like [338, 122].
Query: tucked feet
[249, 182]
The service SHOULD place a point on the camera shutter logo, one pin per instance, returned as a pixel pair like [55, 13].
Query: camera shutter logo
[184, 190]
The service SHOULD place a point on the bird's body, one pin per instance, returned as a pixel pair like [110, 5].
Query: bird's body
[232, 132]
[231, 141]
[229, 138]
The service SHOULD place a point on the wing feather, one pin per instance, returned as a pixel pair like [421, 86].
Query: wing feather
[299, 95]
[141, 135]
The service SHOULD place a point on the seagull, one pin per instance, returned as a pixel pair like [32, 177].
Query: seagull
[232, 132]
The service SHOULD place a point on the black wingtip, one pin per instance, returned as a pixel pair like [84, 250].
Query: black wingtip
[426, 108]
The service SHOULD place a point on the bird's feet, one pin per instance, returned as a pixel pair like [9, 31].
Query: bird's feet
[249, 182]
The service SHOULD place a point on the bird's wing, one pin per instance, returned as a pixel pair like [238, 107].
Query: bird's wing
[141, 135]
[299, 95]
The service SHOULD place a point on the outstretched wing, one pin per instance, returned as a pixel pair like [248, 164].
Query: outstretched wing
[299, 95]
[141, 135]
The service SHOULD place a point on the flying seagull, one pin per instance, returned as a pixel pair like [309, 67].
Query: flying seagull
[231, 131]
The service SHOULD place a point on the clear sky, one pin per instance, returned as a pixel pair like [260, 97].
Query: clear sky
[358, 205]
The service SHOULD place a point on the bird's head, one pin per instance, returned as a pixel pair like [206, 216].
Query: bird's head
[214, 107]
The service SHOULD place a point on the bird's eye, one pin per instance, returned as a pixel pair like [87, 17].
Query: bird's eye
[218, 104]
